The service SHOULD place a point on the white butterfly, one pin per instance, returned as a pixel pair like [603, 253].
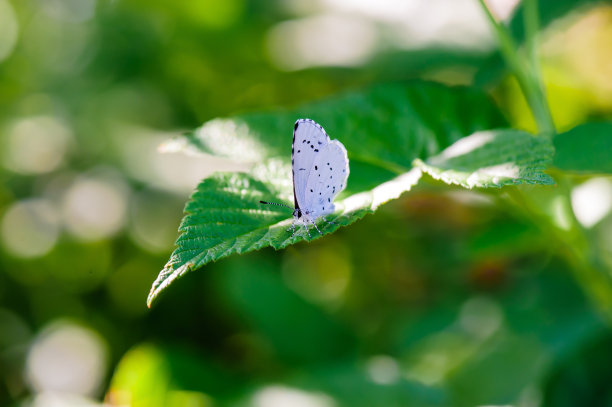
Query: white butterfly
[320, 170]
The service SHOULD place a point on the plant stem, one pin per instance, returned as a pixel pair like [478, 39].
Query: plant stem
[575, 243]
[531, 18]
[540, 107]
[526, 72]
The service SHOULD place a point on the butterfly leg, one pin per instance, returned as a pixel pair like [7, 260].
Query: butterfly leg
[292, 228]
[307, 231]
[316, 227]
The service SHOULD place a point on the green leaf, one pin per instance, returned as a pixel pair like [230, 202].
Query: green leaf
[224, 217]
[384, 128]
[585, 149]
[492, 159]
[386, 125]
[168, 373]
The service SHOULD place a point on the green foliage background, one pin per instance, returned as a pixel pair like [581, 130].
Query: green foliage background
[457, 271]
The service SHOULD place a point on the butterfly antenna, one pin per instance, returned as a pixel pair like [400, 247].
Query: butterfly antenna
[275, 203]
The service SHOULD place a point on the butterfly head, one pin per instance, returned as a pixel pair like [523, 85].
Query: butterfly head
[304, 215]
[297, 213]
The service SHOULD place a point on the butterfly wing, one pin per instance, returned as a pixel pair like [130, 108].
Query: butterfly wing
[327, 178]
[309, 139]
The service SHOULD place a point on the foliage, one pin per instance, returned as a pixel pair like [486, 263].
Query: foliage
[480, 275]
[585, 149]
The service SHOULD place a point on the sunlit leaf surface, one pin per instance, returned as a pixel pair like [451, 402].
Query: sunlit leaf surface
[386, 125]
[224, 217]
[493, 159]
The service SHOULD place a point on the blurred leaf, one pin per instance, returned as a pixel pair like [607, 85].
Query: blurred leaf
[387, 125]
[506, 237]
[459, 63]
[149, 375]
[355, 387]
[552, 309]
[255, 290]
[582, 377]
[523, 359]
[586, 149]
[550, 320]
[549, 10]
[492, 159]
[496, 358]
[142, 378]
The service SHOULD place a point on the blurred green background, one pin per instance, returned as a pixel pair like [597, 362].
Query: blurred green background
[445, 297]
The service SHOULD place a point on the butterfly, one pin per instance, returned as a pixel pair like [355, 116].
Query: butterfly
[320, 171]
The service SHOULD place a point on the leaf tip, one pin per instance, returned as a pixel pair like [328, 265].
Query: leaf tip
[151, 297]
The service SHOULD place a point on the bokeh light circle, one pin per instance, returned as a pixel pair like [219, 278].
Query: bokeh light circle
[95, 206]
[30, 228]
[66, 357]
[35, 145]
